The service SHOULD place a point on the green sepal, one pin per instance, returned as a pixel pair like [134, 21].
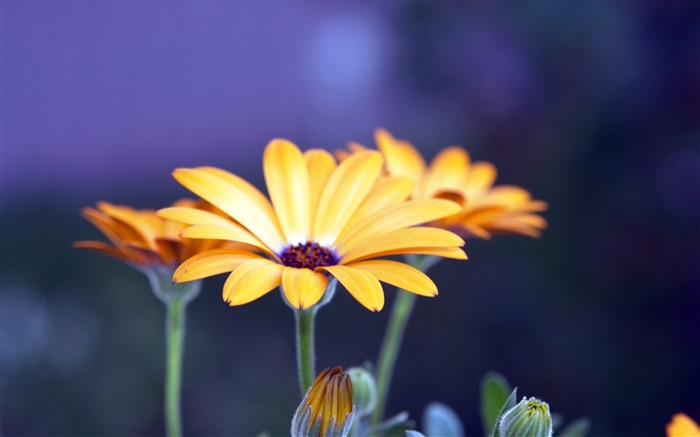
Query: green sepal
[166, 290]
[507, 405]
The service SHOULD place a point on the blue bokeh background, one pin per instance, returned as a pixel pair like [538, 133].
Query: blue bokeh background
[593, 106]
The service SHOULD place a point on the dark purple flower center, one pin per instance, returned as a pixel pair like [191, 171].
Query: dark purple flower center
[308, 255]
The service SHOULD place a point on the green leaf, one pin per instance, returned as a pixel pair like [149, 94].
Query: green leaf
[577, 428]
[494, 393]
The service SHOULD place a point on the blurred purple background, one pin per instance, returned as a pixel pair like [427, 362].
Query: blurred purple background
[592, 106]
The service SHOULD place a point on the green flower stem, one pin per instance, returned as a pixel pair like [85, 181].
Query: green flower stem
[175, 333]
[175, 297]
[400, 314]
[306, 355]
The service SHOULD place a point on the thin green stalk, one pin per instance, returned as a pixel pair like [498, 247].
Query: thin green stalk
[400, 313]
[306, 355]
[175, 297]
[393, 337]
[175, 333]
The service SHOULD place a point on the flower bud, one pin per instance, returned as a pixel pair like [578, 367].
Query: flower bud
[327, 409]
[364, 391]
[529, 418]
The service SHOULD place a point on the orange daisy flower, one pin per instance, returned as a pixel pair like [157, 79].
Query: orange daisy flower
[142, 238]
[485, 209]
[322, 219]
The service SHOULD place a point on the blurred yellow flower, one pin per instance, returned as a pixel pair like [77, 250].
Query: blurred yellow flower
[140, 237]
[486, 209]
[323, 218]
[682, 426]
[327, 409]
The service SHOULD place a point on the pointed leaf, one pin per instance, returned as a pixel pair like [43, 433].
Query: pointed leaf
[494, 393]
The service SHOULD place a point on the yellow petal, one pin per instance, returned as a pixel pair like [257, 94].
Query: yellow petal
[482, 175]
[395, 217]
[146, 224]
[229, 233]
[468, 229]
[536, 205]
[210, 263]
[361, 284]
[287, 181]
[509, 195]
[193, 216]
[448, 171]
[402, 159]
[320, 165]
[400, 275]
[444, 252]
[100, 247]
[251, 280]
[484, 214]
[303, 287]
[117, 232]
[243, 185]
[682, 426]
[235, 198]
[346, 189]
[534, 220]
[355, 147]
[515, 226]
[503, 219]
[385, 192]
[402, 240]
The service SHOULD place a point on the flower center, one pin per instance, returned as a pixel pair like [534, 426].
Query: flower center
[452, 195]
[308, 255]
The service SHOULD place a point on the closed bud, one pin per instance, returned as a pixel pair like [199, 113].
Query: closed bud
[327, 409]
[529, 418]
[364, 391]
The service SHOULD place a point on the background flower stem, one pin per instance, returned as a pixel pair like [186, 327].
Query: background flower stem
[175, 335]
[400, 313]
[306, 354]
[393, 336]
[175, 297]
